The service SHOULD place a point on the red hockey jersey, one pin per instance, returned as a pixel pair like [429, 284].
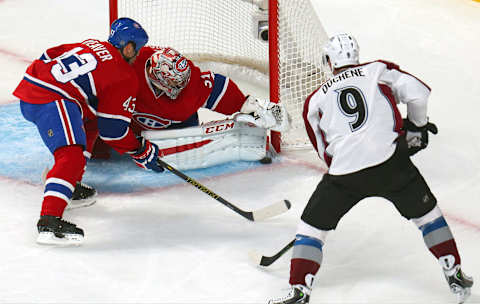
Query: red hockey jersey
[92, 74]
[154, 110]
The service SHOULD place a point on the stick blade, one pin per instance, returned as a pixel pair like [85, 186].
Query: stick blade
[265, 261]
[255, 257]
[271, 210]
[260, 260]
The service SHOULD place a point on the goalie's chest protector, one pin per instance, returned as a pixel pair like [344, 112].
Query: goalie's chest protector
[352, 119]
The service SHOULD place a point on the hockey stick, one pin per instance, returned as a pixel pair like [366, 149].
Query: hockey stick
[260, 214]
[262, 260]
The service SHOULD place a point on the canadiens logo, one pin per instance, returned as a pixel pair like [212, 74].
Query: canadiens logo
[151, 122]
[182, 64]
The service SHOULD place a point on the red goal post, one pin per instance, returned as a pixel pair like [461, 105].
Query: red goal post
[233, 32]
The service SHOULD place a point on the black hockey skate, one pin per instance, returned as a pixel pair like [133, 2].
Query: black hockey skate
[54, 230]
[459, 283]
[299, 294]
[83, 196]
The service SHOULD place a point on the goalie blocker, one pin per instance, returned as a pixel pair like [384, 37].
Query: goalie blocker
[211, 144]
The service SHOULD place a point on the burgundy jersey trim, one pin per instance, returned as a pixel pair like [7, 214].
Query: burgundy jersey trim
[326, 156]
[398, 121]
[393, 66]
[308, 127]
[311, 133]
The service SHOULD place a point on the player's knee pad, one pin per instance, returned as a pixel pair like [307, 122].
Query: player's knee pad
[211, 144]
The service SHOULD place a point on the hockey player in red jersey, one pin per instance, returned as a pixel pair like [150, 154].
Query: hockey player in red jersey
[69, 91]
[171, 91]
[353, 122]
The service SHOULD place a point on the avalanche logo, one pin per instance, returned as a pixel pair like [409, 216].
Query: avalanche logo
[151, 122]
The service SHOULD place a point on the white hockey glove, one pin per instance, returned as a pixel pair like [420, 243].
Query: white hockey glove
[266, 114]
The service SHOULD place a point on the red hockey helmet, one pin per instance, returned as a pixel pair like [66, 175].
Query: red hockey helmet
[169, 71]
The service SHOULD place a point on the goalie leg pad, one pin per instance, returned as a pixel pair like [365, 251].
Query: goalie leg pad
[211, 144]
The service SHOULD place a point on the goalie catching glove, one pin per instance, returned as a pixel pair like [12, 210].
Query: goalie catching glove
[146, 155]
[265, 114]
[417, 137]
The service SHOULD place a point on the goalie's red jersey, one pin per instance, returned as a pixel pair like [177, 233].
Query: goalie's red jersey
[155, 111]
[92, 74]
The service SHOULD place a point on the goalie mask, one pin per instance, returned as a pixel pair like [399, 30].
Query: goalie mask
[342, 50]
[169, 71]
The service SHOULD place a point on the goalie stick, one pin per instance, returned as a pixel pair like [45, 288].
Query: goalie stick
[265, 261]
[256, 215]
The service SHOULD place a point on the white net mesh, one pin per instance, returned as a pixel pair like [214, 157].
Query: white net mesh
[300, 40]
[204, 30]
[226, 31]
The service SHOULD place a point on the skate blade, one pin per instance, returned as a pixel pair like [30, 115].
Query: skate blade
[463, 295]
[75, 204]
[49, 238]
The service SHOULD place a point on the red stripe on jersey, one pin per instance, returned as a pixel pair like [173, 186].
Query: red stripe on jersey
[66, 122]
[387, 92]
[182, 148]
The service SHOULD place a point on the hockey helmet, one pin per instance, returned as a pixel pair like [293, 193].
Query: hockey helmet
[169, 71]
[342, 50]
[125, 30]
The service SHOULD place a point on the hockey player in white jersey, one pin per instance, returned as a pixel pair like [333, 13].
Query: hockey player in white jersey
[354, 124]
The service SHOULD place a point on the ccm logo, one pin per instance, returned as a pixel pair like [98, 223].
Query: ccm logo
[219, 128]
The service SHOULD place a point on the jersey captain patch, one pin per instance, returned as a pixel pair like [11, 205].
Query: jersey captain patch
[152, 122]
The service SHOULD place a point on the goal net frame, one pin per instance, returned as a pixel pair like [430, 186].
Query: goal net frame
[291, 58]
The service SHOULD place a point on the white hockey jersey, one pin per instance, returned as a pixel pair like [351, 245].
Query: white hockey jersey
[352, 119]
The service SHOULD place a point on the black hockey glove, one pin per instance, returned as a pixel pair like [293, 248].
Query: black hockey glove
[417, 137]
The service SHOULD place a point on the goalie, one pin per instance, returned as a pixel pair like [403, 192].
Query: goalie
[171, 91]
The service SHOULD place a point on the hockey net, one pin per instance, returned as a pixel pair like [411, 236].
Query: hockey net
[230, 32]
